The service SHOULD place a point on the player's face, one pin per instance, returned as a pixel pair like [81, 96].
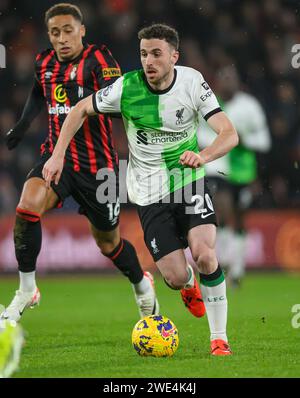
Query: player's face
[65, 34]
[158, 58]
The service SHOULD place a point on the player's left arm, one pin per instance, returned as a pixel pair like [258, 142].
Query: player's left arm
[208, 106]
[227, 138]
[106, 70]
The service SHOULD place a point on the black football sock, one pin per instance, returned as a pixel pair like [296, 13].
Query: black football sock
[125, 259]
[28, 239]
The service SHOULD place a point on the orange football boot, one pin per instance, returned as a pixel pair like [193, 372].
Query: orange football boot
[220, 347]
[192, 299]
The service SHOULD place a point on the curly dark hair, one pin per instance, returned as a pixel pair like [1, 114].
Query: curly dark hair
[162, 32]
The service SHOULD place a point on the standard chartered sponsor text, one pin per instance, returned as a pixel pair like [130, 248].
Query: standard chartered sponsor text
[171, 136]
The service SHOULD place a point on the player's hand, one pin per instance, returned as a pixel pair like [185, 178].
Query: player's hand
[191, 159]
[15, 135]
[52, 170]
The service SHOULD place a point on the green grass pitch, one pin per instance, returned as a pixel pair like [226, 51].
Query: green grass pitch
[83, 329]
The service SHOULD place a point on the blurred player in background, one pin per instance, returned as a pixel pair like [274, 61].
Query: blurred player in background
[64, 75]
[231, 175]
[161, 105]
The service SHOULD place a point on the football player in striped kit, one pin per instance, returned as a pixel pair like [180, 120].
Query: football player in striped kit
[64, 74]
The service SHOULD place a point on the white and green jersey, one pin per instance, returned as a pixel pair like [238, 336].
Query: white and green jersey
[160, 126]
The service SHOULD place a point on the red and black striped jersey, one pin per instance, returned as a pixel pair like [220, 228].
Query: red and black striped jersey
[63, 84]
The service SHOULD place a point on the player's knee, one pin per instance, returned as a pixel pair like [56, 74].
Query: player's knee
[31, 205]
[176, 280]
[205, 259]
[106, 241]
[106, 245]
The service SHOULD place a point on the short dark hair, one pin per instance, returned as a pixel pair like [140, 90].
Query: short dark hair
[162, 32]
[64, 9]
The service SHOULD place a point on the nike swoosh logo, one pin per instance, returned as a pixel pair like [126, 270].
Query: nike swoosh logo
[207, 215]
[136, 118]
[167, 333]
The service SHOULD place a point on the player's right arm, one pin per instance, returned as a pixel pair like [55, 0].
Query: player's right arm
[31, 109]
[208, 107]
[53, 167]
[106, 100]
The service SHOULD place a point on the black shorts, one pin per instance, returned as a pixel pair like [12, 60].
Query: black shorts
[83, 186]
[166, 225]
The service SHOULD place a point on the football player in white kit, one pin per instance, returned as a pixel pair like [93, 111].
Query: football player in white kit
[161, 105]
[229, 177]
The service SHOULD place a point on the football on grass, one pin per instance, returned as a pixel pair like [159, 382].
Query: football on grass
[156, 336]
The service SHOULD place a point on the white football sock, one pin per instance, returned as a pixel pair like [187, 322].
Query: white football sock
[215, 302]
[27, 281]
[143, 286]
[191, 278]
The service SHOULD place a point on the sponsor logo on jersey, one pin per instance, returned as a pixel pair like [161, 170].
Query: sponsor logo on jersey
[142, 137]
[205, 86]
[170, 136]
[160, 137]
[59, 109]
[205, 96]
[179, 115]
[59, 94]
[111, 72]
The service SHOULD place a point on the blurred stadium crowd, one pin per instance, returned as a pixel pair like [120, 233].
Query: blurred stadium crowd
[255, 36]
